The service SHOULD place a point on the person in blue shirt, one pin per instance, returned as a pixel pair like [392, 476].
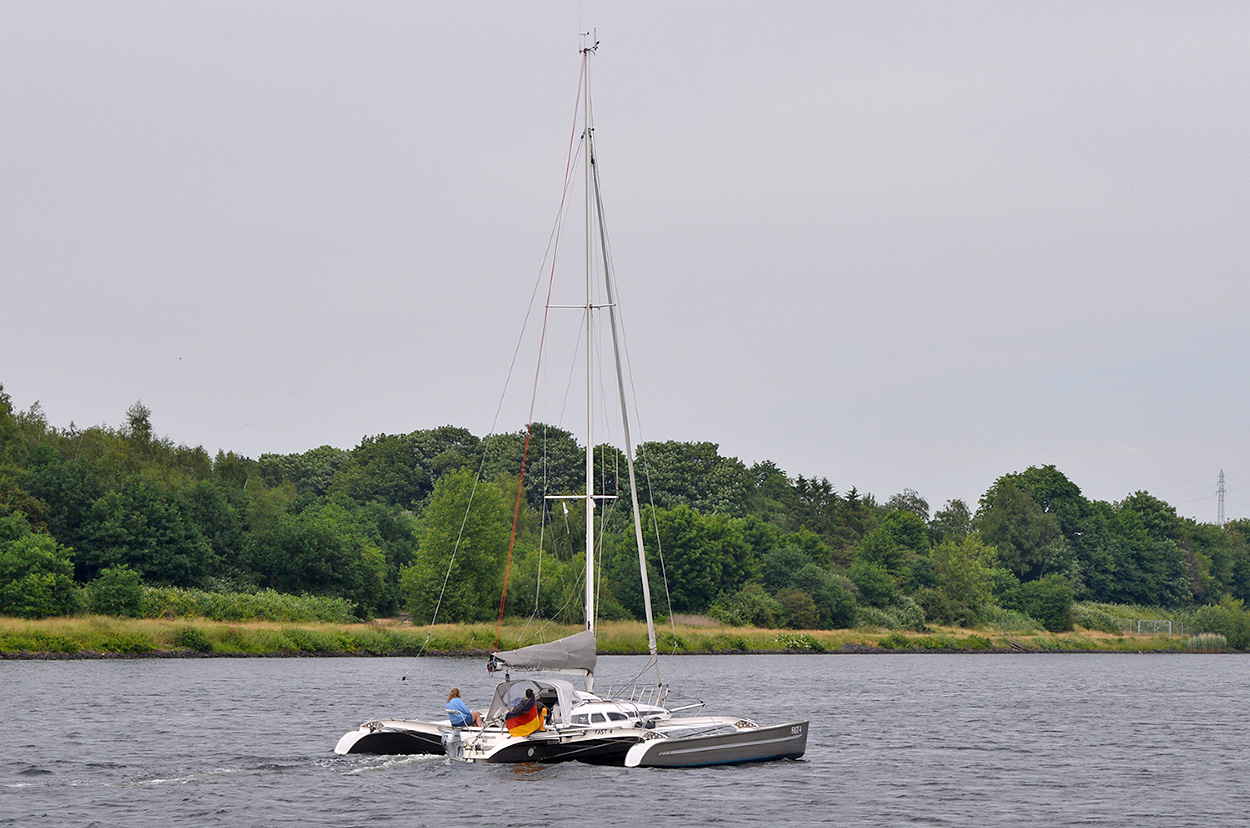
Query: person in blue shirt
[458, 712]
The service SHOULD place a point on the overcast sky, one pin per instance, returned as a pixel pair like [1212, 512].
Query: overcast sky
[898, 245]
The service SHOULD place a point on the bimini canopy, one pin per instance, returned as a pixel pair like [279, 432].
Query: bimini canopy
[554, 694]
[572, 654]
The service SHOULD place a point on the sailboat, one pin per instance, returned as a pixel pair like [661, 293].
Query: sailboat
[630, 726]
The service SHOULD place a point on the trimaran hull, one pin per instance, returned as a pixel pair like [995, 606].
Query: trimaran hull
[753, 744]
[622, 733]
[546, 748]
[394, 738]
[625, 747]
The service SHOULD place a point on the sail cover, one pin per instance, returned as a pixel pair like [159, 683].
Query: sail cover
[574, 653]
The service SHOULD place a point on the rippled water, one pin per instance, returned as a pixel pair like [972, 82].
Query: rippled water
[984, 740]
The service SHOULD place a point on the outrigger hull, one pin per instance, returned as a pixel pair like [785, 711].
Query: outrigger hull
[394, 738]
[749, 744]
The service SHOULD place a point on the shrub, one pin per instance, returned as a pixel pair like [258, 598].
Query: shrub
[867, 617]
[309, 641]
[1049, 600]
[36, 575]
[799, 641]
[908, 615]
[266, 605]
[750, 606]
[940, 607]
[1093, 617]
[120, 641]
[896, 641]
[1010, 621]
[1229, 618]
[798, 610]
[37, 641]
[192, 638]
[903, 614]
[118, 591]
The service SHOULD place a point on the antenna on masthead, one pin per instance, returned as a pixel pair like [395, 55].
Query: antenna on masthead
[592, 33]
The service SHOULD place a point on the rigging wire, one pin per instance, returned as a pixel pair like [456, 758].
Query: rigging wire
[568, 166]
[611, 269]
[551, 249]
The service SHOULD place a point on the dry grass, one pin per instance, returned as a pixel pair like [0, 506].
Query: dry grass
[98, 634]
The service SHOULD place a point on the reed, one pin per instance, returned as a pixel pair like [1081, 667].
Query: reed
[94, 634]
[1206, 643]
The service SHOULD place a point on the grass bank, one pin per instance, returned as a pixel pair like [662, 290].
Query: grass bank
[101, 636]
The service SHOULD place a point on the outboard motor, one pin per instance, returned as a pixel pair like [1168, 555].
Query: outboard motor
[452, 744]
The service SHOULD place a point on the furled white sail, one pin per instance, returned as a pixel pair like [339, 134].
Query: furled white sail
[575, 653]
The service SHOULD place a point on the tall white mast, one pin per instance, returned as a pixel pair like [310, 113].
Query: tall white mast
[610, 300]
[590, 441]
[594, 210]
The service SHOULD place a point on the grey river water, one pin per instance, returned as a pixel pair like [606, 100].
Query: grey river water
[975, 740]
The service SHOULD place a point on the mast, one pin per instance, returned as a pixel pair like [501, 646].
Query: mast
[594, 190]
[590, 424]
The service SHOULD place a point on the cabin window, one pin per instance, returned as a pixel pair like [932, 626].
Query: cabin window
[597, 718]
[580, 718]
[617, 717]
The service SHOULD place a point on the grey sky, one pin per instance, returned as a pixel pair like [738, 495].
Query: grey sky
[898, 245]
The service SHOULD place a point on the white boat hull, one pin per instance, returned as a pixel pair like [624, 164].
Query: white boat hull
[392, 737]
[721, 746]
[606, 746]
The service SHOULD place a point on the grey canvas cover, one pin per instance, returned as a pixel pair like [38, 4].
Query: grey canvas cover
[574, 653]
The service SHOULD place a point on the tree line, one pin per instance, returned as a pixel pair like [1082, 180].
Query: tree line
[422, 523]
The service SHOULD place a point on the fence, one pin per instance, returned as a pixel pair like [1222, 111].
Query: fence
[1155, 626]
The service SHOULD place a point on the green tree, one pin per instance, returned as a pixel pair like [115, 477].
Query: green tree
[1238, 532]
[697, 476]
[311, 473]
[543, 586]
[798, 610]
[952, 522]
[68, 490]
[1016, 526]
[817, 508]
[832, 595]
[555, 464]
[1054, 493]
[1213, 573]
[1096, 546]
[781, 564]
[963, 574]
[143, 527]
[386, 468]
[462, 541]
[36, 574]
[873, 583]
[895, 543]
[703, 557]
[909, 500]
[773, 496]
[324, 550]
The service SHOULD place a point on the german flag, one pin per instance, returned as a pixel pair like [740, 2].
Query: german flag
[525, 717]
